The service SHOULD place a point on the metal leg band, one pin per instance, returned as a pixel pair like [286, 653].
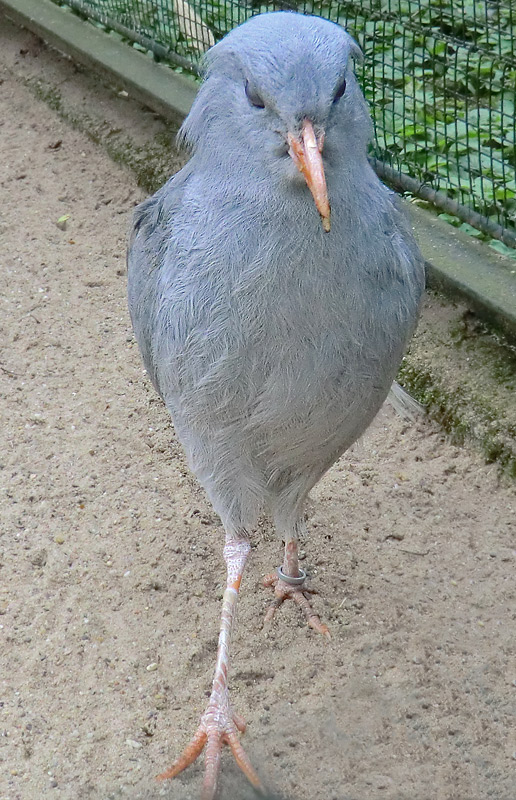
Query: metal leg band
[292, 581]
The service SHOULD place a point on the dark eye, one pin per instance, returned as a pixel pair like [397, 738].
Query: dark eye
[340, 91]
[253, 96]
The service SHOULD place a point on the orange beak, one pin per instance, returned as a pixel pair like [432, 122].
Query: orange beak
[306, 155]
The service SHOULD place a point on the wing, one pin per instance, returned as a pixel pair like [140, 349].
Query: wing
[153, 227]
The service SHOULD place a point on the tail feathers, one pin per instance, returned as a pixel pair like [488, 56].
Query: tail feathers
[405, 405]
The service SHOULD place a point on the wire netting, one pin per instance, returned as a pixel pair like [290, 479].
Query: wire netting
[440, 78]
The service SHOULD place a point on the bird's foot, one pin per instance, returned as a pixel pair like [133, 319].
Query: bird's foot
[219, 725]
[287, 588]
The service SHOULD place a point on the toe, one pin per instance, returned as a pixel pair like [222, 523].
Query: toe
[212, 765]
[312, 618]
[270, 580]
[187, 757]
[273, 607]
[239, 722]
[242, 760]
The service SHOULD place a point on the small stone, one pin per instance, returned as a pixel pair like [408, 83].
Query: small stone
[151, 667]
[39, 558]
[133, 743]
[59, 539]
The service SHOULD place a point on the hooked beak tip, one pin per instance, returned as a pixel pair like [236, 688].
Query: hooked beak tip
[306, 155]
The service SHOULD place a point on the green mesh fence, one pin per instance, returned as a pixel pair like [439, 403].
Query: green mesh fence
[440, 78]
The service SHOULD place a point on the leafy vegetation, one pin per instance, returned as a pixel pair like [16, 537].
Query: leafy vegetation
[440, 78]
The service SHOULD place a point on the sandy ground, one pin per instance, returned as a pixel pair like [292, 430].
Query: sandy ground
[110, 557]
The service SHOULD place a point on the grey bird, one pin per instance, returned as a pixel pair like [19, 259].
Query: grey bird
[273, 286]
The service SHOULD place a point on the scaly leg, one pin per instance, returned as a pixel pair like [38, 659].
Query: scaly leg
[219, 724]
[289, 583]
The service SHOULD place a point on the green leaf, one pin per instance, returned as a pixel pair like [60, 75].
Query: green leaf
[455, 221]
[502, 248]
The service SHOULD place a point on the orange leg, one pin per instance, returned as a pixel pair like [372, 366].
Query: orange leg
[289, 584]
[219, 725]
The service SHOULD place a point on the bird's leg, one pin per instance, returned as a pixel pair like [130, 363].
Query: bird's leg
[291, 559]
[219, 724]
[289, 582]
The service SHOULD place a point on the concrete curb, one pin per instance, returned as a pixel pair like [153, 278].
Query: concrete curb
[457, 265]
[463, 268]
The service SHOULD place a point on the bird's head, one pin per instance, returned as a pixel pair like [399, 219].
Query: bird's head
[280, 92]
